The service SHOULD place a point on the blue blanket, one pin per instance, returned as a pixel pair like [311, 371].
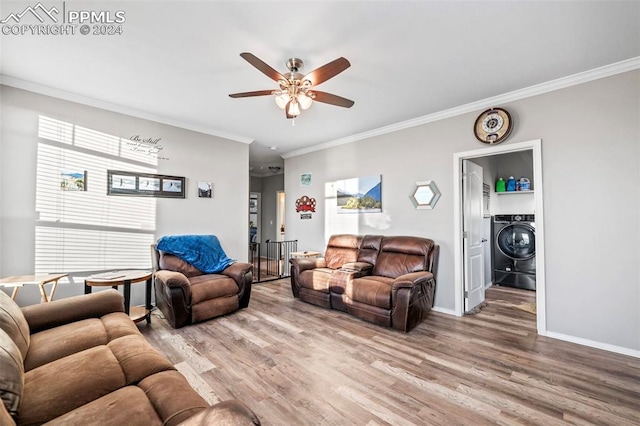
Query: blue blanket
[202, 251]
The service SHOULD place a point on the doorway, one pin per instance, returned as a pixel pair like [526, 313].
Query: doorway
[280, 215]
[535, 146]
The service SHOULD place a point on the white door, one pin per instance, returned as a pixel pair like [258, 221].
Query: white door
[473, 239]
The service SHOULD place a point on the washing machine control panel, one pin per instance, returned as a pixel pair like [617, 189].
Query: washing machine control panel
[514, 218]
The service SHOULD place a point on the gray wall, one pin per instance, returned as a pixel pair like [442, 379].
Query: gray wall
[194, 155]
[270, 186]
[591, 164]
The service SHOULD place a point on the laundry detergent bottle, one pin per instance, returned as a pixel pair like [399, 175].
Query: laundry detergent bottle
[511, 184]
[501, 185]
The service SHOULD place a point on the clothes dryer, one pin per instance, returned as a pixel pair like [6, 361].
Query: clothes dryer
[514, 251]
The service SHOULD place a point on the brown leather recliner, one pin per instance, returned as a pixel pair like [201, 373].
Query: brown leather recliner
[387, 280]
[186, 295]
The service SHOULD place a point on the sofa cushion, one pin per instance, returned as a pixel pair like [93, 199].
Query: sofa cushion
[119, 324]
[88, 375]
[342, 249]
[67, 339]
[174, 263]
[128, 405]
[211, 286]
[402, 255]
[58, 342]
[318, 279]
[137, 358]
[13, 322]
[369, 249]
[372, 290]
[172, 396]
[11, 374]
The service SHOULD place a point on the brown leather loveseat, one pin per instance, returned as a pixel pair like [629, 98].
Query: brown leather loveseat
[81, 360]
[387, 280]
[186, 295]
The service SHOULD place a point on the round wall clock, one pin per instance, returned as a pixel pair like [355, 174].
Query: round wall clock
[493, 126]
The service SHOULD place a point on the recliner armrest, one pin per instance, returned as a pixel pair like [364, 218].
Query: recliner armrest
[363, 268]
[173, 279]
[238, 271]
[306, 263]
[76, 308]
[411, 280]
[231, 412]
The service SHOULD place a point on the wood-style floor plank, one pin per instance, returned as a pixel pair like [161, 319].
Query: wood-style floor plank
[295, 363]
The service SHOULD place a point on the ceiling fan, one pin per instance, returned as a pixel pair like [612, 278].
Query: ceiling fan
[297, 91]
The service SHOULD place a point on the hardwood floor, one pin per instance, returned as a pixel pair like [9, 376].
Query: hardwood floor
[295, 363]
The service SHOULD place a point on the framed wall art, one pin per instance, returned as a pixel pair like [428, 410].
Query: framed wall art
[144, 184]
[73, 180]
[205, 189]
[359, 195]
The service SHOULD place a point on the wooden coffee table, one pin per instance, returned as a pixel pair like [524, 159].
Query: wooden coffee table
[126, 278]
[40, 280]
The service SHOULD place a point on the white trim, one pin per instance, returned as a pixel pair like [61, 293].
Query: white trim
[538, 89]
[593, 344]
[536, 147]
[444, 311]
[85, 100]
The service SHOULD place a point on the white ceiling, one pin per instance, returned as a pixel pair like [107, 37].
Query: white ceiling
[177, 62]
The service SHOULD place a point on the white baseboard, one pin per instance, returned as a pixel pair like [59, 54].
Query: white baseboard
[444, 311]
[593, 344]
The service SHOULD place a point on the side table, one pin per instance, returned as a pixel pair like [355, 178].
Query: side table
[126, 278]
[305, 254]
[40, 280]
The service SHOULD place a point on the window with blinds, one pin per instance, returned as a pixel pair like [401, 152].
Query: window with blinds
[86, 230]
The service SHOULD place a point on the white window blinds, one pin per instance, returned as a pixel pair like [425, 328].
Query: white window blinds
[80, 231]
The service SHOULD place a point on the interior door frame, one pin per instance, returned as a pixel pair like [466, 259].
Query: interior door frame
[280, 215]
[536, 147]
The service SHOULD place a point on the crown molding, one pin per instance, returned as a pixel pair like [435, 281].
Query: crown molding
[538, 89]
[85, 100]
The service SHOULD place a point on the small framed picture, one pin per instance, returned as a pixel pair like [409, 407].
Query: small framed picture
[253, 205]
[305, 179]
[73, 180]
[205, 189]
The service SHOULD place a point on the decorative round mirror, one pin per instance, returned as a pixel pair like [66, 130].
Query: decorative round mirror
[425, 195]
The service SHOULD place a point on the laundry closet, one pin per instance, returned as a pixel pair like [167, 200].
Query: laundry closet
[509, 220]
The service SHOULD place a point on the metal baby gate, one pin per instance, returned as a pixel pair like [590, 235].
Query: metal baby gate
[271, 259]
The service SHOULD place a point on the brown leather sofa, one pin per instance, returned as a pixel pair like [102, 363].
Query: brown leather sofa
[81, 360]
[185, 295]
[387, 280]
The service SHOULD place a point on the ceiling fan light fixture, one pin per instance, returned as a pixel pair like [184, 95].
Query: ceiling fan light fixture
[282, 99]
[304, 100]
[294, 109]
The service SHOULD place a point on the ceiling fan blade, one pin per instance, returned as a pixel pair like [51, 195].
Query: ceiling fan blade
[249, 94]
[262, 66]
[328, 98]
[327, 71]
